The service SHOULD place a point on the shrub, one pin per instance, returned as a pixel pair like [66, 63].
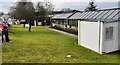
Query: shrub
[69, 30]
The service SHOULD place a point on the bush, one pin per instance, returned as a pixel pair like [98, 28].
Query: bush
[73, 31]
[69, 30]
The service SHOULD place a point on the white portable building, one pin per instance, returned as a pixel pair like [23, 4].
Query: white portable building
[99, 30]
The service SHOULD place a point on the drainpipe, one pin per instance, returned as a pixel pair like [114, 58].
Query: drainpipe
[79, 42]
[99, 23]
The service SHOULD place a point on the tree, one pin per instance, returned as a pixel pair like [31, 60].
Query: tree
[24, 10]
[1, 13]
[43, 10]
[40, 11]
[91, 6]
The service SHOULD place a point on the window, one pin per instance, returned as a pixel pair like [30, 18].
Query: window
[109, 33]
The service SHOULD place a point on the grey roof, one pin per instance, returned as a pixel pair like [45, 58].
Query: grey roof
[93, 14]
[76, 16]
[114, 17]
[98, 14]
[103, 15]
[62, 16]
[115, 13]
[107, 14]
[83, 14]
[87, 13]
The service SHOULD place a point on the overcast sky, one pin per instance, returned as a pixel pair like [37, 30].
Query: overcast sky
[60, 4]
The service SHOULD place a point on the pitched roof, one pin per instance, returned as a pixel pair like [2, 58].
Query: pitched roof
[62, 16]
[101, 15]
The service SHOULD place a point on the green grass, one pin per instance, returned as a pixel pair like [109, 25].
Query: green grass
[45, 46]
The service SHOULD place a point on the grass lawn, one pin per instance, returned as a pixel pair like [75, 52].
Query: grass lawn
[45, 46]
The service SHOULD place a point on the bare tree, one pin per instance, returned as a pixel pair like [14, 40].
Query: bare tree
[44, 10]
[24, 10]
[40, 11]
[49, 7]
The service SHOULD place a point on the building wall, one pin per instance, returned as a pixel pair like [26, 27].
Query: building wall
[89, 35]
[110, 45]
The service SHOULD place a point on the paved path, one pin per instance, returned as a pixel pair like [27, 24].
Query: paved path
[73, 35]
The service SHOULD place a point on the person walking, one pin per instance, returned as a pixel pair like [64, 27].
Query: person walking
[6, 33]
[3, 25]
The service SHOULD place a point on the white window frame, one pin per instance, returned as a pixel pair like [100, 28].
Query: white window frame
[109, 33]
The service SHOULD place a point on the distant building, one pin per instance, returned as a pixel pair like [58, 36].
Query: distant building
[61, 19]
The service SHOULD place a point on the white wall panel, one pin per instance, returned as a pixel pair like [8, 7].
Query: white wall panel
[89, 35]
[110, 45]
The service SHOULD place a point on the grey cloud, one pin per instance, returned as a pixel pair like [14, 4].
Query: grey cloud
[5, 6]
[83, 5]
